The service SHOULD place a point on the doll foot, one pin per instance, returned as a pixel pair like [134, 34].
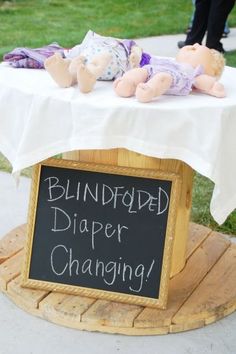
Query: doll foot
[217, 90]
[75, 62]
[124, 88]
[86, 80]
[58, 68]
[144, 93]
[55, 59]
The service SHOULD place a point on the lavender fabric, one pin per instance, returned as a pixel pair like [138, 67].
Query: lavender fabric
[128, 44]
[31, 58]
[145, 59]
[183, 75]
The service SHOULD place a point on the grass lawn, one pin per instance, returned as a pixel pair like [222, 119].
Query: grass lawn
[39, 22]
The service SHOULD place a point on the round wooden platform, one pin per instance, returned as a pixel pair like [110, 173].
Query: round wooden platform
[202, 293]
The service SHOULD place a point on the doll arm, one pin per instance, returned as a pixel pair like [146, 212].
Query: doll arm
[135, 56]
[209, 85]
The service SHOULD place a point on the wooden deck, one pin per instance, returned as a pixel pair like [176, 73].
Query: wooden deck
[202, 293]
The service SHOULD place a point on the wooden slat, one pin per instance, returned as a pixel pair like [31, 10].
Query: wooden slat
[10, 269]
[197, 234]
[216, 295]
[107, 313]
[183, 284]
[26, 298]
[12, 243]
[186, 326]
[64, 309]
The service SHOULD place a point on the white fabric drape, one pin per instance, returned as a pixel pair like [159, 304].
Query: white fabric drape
[39, 119]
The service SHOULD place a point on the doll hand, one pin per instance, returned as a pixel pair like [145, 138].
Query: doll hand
[217, 90]
[135, 57]
[134, 60]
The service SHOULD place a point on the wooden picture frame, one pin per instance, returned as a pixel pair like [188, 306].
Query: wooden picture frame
[101, 212]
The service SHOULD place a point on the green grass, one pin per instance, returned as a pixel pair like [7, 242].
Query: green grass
[36, 23]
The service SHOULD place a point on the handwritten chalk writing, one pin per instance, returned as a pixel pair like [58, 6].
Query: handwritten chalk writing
[62, 221]
[110, 271]
[134, 200]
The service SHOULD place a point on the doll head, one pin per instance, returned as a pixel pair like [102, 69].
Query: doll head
[212, 60]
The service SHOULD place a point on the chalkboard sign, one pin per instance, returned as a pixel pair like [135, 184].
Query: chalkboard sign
[101, 231]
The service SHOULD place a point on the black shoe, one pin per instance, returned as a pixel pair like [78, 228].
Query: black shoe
[181, 44]
[220, 48]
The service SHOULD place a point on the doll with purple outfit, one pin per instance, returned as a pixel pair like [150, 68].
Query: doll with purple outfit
[195, 66]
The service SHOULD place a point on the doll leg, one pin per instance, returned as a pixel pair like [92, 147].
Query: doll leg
[210, 85]
[155, 87]
[58, 68]
[125, 86]
[87, 75]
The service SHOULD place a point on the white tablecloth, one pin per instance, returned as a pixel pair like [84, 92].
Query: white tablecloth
[39, 119]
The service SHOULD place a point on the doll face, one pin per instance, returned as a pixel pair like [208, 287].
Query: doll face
[196, 55]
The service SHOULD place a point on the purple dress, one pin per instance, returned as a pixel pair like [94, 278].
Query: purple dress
[183, 75]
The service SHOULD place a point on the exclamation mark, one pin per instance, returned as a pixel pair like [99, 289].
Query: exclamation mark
[150, 269]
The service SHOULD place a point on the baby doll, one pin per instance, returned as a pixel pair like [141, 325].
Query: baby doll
[96, 58]
[195, 67]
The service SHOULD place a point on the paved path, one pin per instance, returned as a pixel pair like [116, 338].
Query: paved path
[167, 45]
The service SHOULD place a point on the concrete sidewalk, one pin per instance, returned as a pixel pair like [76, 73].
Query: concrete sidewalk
[167, 45]
[21, 333]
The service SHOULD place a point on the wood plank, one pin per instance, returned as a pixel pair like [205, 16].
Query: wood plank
[26, 298]
[12, 243]
[184, 283]
[186, 326]
[197, 234]
[97, 156]
[182, 221]
[64, 309]
[216, 295]
[10, 269]
[108, 313]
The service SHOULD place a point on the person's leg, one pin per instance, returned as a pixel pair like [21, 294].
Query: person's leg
[218, 14]
[196, 35]
[199, 25]
[226, 30]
